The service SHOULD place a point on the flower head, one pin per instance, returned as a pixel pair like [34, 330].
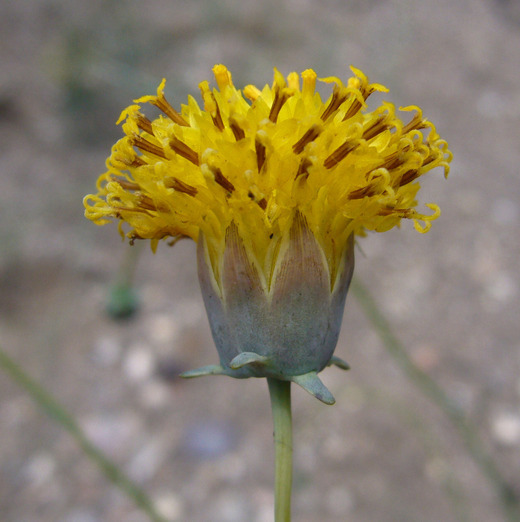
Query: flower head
[262, 179]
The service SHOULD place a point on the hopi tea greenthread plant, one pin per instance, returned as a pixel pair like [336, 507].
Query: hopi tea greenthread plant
[273, 185]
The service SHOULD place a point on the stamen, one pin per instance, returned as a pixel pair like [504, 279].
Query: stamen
[238, 132]
[124, 183]
[339, 154]
[260, 155]
[408, 177]
[416, 123]
[361, 193]
[309, 136]
[395, 159]
[144, 124]
[375, 128]
[211, 105]
[403, 212]
[305, 163]
[184, 150]
[217, 118]
[180, 186]
[337, 99]
[262, 202]
[162, 104]
[280, 97]
[145, 145]
[222, 180]
[146, 202]
[353, 109]
[137, 161]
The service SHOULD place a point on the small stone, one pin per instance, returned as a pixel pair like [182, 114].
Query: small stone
[146, 462]
[170, 506]
[506, 429]
[208, 439]
[40, 469]
[163, 328]
[113, 434]
[139, 363]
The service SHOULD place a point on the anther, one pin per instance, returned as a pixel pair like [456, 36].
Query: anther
[184, 150]
[339, 154]
[337, 99]
[238, 132]
[125, 184]
[146, 202]
[376, 128]
[260, 155]
[305, 163]
[137, 161]
[408, 177]
[280, 98]
[222, 180]
[144, 124]
[180, 186]
[415, 123]
[162, 104]
[353, 109]
[309, 136]
[146, 146]
[217, 117]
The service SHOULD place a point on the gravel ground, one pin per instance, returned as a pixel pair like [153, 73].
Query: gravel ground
[203, 449]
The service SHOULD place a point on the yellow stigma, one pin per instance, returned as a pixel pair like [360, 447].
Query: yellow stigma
[259, 157]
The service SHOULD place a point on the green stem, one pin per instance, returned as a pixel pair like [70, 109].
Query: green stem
[280, 393]
[423, 382]
[48, 404]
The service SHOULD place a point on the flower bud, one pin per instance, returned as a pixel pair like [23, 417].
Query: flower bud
[286, 327]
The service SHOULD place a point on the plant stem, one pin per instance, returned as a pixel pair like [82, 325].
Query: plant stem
[280, 393]
[49, 405]
[507, 495]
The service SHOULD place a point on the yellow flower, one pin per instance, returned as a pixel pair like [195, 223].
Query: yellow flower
[269, 175]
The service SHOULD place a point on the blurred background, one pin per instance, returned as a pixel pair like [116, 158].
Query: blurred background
[202, 449]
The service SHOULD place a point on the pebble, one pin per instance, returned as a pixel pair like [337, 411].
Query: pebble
[139, 363]
[40, 469]
[112, 433]
[146, 461]
[170, 506]
[506, 429]
[163, 328]
[208, 439]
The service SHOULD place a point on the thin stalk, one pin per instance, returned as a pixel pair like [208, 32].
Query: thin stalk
[48, 404]
[468, 432]
[280, 393]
